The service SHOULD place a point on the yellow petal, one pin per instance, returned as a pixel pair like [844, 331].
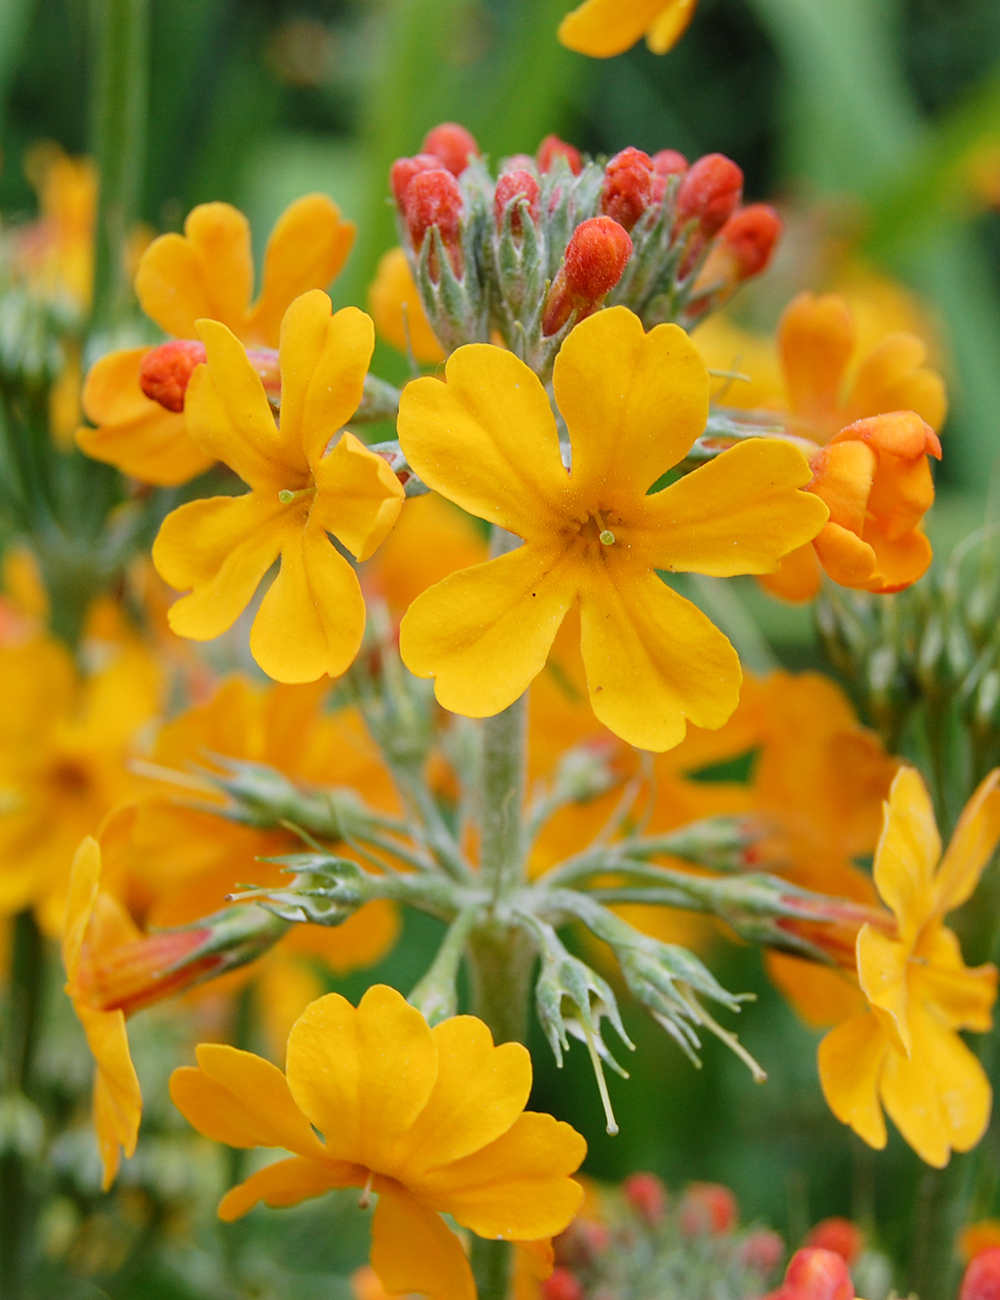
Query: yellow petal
[740, 513]
[960, 996]
[413, 1250]
[220, 548]
[324, 360]
[845, 557]
[850, 1063]
[359, 497]
[487, 440]
[633, 402]
[307, 249]
[653, 660]
[398, 313]
[816, 339]
[603, 28]
[362, 1076]
[972, 845]
[312, 619]
[519, 1187]
[84, 882]
[117, 1105]
[286, 1182]
[670, 26]
[908, 851]
[484, 633]
[882, 968]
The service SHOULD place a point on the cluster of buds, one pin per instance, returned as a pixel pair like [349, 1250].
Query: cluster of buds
[555, 237]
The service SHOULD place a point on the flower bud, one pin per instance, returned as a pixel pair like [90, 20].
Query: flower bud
[433, 198]
[647, 1196]
[628, 186]
[710, 193]
[708, 1210]
[510, 186]
[596, 256]
[816, 1274]
[452, 145]
[582, 1244]
[982, 1277]
[841, 1236]
[745, 245]
[166, 371]
[552, 148]
[761, 1251]
[666, 163]
[403, 171]
[561, 1284]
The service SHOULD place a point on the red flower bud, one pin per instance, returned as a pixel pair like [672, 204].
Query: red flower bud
[452, 145]
[561, 1284]
[841, 1236]
[816, 1274]
[596, 256]
[433, 198]
[646, 1195]
[628, 186]
[166, 371]
[748, 239]
[666, 163]
[982, 1277]
[511, 185]
[583, 1242]
[710, 193]
[761, 1250]
[707, 1210]
[403, 171]
[552, 148]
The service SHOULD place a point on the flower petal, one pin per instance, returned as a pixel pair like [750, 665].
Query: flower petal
[671, 25]
[603, 28]
[359, 497]
[850, 1060]
[312, 619]
[822, 995]
[413, 1250]
[286, 1182]
[846, 558]
[892, 377]
[882, 969]
[484, 633]
[653, 660]
[219, 548]
[84, 883]
[633, 402]
[899, 561]
[972, 845]
[960, 996]
[816, 339]
[843, 474]
[907, 853]
[486, 439]
[740, 513]
[307, 249]
[206, 272]
[797, 577]
[117, 1101]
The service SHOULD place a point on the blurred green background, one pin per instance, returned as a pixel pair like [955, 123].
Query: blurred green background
[859, 115]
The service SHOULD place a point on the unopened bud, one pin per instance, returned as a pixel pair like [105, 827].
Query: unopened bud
[710, 193]
[452, 145]
[707, 1210]
[510, 186]
[403, 171]
[582, 1244]
[628, 186]
[982, 1277]
[433, 198]
[761, 1251]
[666, 163]
[596, 256]
[647, 1196]
[745, 245]
[561, 1284]
[816, 1274]
[840, 1235]
[552, 148]
[166, 371]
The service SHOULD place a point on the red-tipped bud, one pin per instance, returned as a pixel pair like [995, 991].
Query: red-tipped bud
[707, 1210]
[552, 148]
[148, 969]
[646, 1195]
[628, 186]
[815, 1274]
[433, 198]
[452, 145]
[512, 185]
[747, 241]
[982, 1277]
[762, 1251]
[710, 193]
[666, 163]
[403, 171]
[841, 1236]
[561, 1284]
[166, 371]
[596, 256]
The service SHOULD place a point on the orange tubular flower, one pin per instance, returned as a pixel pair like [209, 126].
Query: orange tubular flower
[431, 1120]
[603, 28]
[205, 273]
[219, 549]
[634, 403]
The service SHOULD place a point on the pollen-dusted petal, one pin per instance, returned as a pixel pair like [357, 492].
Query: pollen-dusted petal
[815, 341]
[653, 660]
[219, 548]
[604, 28]
[958, 995]
[671, 25]
[324, 360]
[240, 1099]
[484, 633]
[479, 1093]
[633, 402]
[797, 578]
[850, 1061]
[228, 416]
[117, 1102]
[486, 439]
[845, 557]
[972, 845]
[286, 1182]
[892, 377]
[882, 967]
[359, 497]
[312, 619]
[740, 513]
[519, 1187]
[307, 249]
[413, 1251]
[362, 1076]
[908, 851]
[206, 272]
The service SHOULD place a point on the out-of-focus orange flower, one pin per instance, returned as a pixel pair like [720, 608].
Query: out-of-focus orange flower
[604, 28]
[398, 313]
[55, 253]
[977, 1237]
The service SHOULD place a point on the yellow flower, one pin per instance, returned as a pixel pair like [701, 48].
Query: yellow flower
[312, 618]
[633, 403]
[205, 273]
[55, 254]
[603, 28]
[905, 1052]
[397, 311]
[432, 1120]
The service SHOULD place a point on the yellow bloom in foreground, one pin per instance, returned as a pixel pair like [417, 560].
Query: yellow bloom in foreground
[312, 618]
[905, 1052]
[633, 404]
[603, 28]
[432, 1120]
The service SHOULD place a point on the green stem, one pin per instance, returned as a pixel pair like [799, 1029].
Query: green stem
[492, 1266]
[502, 799]
[942, 1199]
